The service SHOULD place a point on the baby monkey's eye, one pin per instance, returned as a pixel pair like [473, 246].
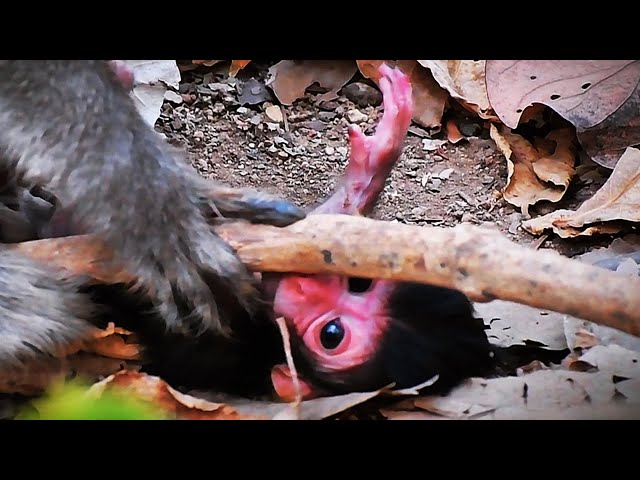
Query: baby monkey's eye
[332, 334]
[359, 285]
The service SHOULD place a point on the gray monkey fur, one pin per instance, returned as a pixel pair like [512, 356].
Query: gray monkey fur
[72, 126]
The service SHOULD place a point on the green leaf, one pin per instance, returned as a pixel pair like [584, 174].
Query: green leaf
[72, 401]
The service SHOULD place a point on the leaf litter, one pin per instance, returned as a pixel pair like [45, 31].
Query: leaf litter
[617, 200]
[585, 92]
[539, 171]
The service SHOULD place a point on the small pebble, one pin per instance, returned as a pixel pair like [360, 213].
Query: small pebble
[356, 116]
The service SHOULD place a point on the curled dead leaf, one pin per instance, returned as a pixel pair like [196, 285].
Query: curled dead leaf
[151, 80]
[614, 360]
[110, 342]
[370, 68]
[111, 329]
[617, 199]
[289, 79]
[114, 346]
[429, 99]
[453, 133]
[465, 81]
[536, 172]
[237, 65]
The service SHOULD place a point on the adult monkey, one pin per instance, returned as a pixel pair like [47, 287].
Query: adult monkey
[72, 126]
[348, 334]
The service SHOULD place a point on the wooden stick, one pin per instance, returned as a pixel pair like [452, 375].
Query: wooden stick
[478, 261]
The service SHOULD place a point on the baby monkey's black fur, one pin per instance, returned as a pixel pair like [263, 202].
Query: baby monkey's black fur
[72, 126]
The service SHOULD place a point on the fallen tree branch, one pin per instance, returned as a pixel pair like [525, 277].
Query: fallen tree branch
[478, 261]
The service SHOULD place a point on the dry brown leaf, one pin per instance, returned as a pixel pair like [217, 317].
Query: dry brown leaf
[557, 157]
[474, 397]
[369, 68]
[514, 324]
[111, 329]
[539, 390]
[290, 78]
[453, 133]
[92, 366]
[206, 63]
[402, 415]
[465, 81]
[617, 199]
[611, 228]
[630, 389]
[191, 407]
[585, 92]
[234, 68]
[615, 360]
[320, 408]
[451, 407]
[114, 346]
[315, 409]
[151, 80]
[237, 65]
[580, 338]
[158, 392]
[111, 342]
[34, 377]
[606, 142]
[573, 363]
[429, 99]
[535, 115]
[580, 412]
[599, 386]
[535, 173]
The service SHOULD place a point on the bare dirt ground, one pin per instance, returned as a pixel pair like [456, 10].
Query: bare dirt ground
[302, 156]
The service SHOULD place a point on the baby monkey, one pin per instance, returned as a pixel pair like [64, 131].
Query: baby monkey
[72, 126]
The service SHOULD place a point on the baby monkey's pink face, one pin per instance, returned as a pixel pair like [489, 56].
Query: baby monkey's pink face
[339, 321]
